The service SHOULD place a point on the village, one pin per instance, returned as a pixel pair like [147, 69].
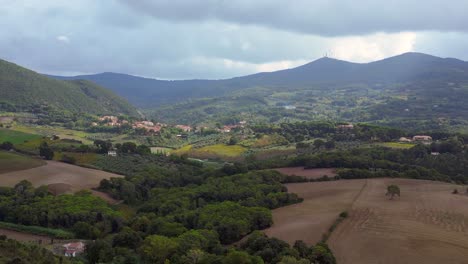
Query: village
[151, 127]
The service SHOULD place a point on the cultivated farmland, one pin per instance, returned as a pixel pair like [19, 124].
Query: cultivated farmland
[428, 224]
[12, 162]
[61, 177]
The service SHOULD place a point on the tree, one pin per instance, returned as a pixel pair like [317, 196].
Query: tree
[393, 190]
[143, 150]
[85, 230]
[318, 143]
[127, 237]
[322, 254]
[99, 252]
[128, 147]
[240, 257]
[103, 146]
[45, 151]
[156, 249]
[329, 144]
[232, 141]
[293, 260]
[6, 145]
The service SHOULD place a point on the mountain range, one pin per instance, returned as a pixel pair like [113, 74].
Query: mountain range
[408, 90]
[324, 72]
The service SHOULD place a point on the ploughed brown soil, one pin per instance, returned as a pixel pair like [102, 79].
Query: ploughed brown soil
[427, 224]
[308, 173]
[60, 177]
[323, 202]
[24, 237]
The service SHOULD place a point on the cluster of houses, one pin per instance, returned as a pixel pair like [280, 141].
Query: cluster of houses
[152, 127]
[149, 126]
[229, 128]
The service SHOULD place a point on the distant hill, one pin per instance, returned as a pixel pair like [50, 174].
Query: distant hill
[24, 90]
[409, 90]
[323, 72]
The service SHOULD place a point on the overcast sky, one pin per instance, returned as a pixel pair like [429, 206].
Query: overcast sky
[180, 39]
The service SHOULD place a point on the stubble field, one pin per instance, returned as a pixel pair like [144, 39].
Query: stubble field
[427, 224]
[60, 177]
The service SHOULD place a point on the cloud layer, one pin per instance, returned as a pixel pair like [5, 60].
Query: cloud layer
[318, 17]
[175, 39]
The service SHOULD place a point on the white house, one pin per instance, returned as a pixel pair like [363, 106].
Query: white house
[73, 249]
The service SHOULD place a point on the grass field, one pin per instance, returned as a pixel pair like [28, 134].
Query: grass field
[50, 131]
[220, 150]
[427, 224]
[213, 151]
[183, 150]
[158, 150]
[12, 162]
[397, 145]
[16, 137]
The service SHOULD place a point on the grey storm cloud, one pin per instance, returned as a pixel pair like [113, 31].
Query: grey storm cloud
[318, 17]
[174, 39]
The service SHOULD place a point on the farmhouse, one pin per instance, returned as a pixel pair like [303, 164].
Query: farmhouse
[422, 138]
[184, 128]
[347, 126]
[405, 139]
[229, 128]
[148, 126]
[112, 119]
[73, 249]
[147, 123]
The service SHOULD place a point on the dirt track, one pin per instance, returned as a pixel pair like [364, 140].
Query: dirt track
[61, 177]
[427, 224]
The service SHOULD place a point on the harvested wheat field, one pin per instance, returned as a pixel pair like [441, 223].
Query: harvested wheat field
[308, 173]
[323, 202]
[428, 224]
[60, 177]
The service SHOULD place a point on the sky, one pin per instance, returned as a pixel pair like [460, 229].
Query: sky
[214, 39]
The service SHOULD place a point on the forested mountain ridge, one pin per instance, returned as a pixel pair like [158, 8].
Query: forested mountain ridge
[412, 90]
[24, 90]
[320, 73]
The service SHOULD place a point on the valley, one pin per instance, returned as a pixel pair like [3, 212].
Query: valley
[267, 168]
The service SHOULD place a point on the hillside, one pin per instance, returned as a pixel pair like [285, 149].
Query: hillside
[405, 67]
[25, 90]
[411, 89]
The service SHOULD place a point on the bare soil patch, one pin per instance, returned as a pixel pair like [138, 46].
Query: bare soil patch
[323, 202]
[23, 237]
[308, 173]
[427, 224]
[60, 177]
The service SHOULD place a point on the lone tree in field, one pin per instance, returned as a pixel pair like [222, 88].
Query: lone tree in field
[393, 190]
